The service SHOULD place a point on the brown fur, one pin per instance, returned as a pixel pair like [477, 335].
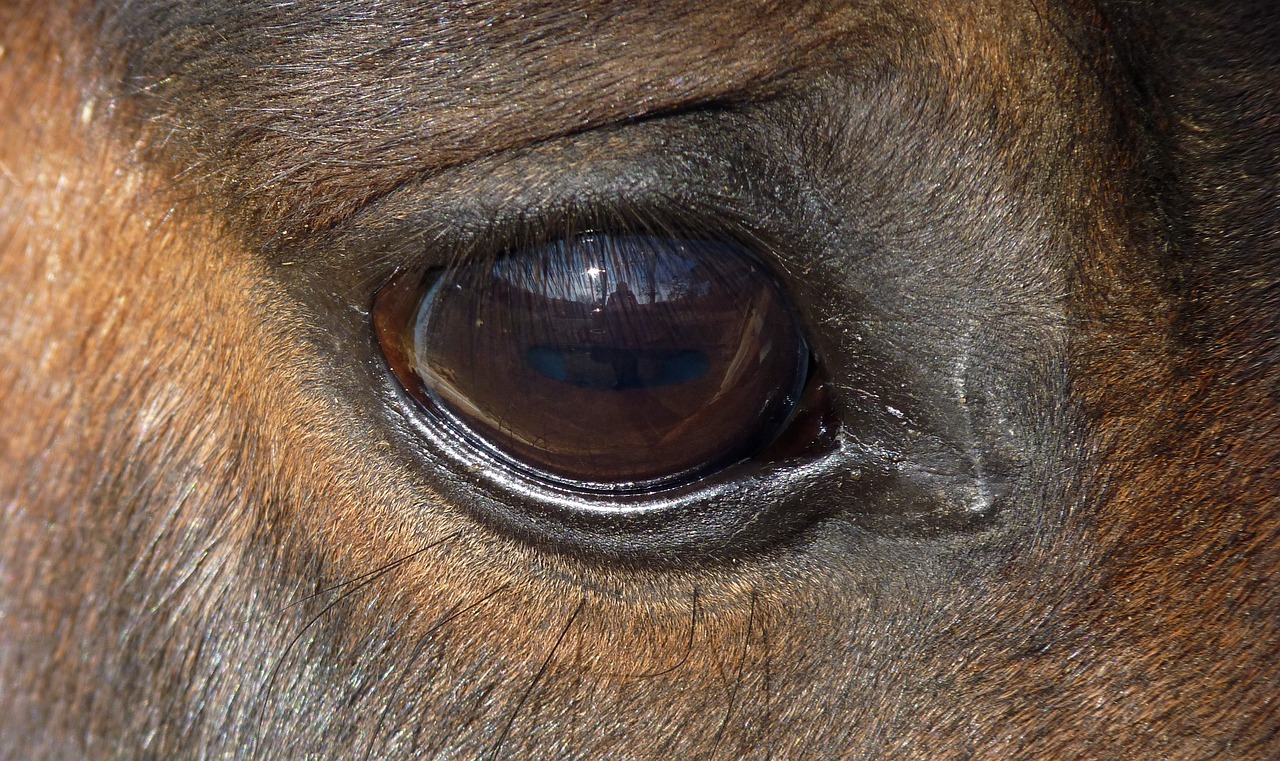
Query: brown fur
[198, 514]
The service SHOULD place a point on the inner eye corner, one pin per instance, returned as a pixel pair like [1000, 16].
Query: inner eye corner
[617, 364]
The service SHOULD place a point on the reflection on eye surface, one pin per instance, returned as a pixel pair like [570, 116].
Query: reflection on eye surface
[613, 360]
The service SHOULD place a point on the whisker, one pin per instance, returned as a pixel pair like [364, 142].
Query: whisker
[737, 681]
[766, 724]
[688, 648]
[457, 610]
[375, 572]
[546, 663]
[361, 582]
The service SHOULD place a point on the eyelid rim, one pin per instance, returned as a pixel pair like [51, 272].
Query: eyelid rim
[736, 508]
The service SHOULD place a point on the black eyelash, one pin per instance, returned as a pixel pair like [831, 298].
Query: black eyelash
[531, 235]
[402, 247]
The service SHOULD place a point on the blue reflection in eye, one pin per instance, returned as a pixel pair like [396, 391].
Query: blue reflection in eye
[617, 367]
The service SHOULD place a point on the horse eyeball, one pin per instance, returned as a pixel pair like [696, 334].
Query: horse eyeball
[618, 361]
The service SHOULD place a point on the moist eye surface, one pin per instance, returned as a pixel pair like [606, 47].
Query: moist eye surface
[619, 361]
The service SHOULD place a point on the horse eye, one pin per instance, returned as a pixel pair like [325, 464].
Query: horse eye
[604, 361]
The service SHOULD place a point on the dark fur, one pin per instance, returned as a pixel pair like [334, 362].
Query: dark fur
[1046, 232]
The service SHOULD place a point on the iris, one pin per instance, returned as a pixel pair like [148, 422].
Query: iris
[615, 361]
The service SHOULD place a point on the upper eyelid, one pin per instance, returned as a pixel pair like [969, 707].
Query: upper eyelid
[422, 227]
[726, 167]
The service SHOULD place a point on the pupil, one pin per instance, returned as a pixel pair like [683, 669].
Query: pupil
[615, 360]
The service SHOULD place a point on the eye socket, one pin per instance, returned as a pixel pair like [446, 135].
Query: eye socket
[617, 362]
